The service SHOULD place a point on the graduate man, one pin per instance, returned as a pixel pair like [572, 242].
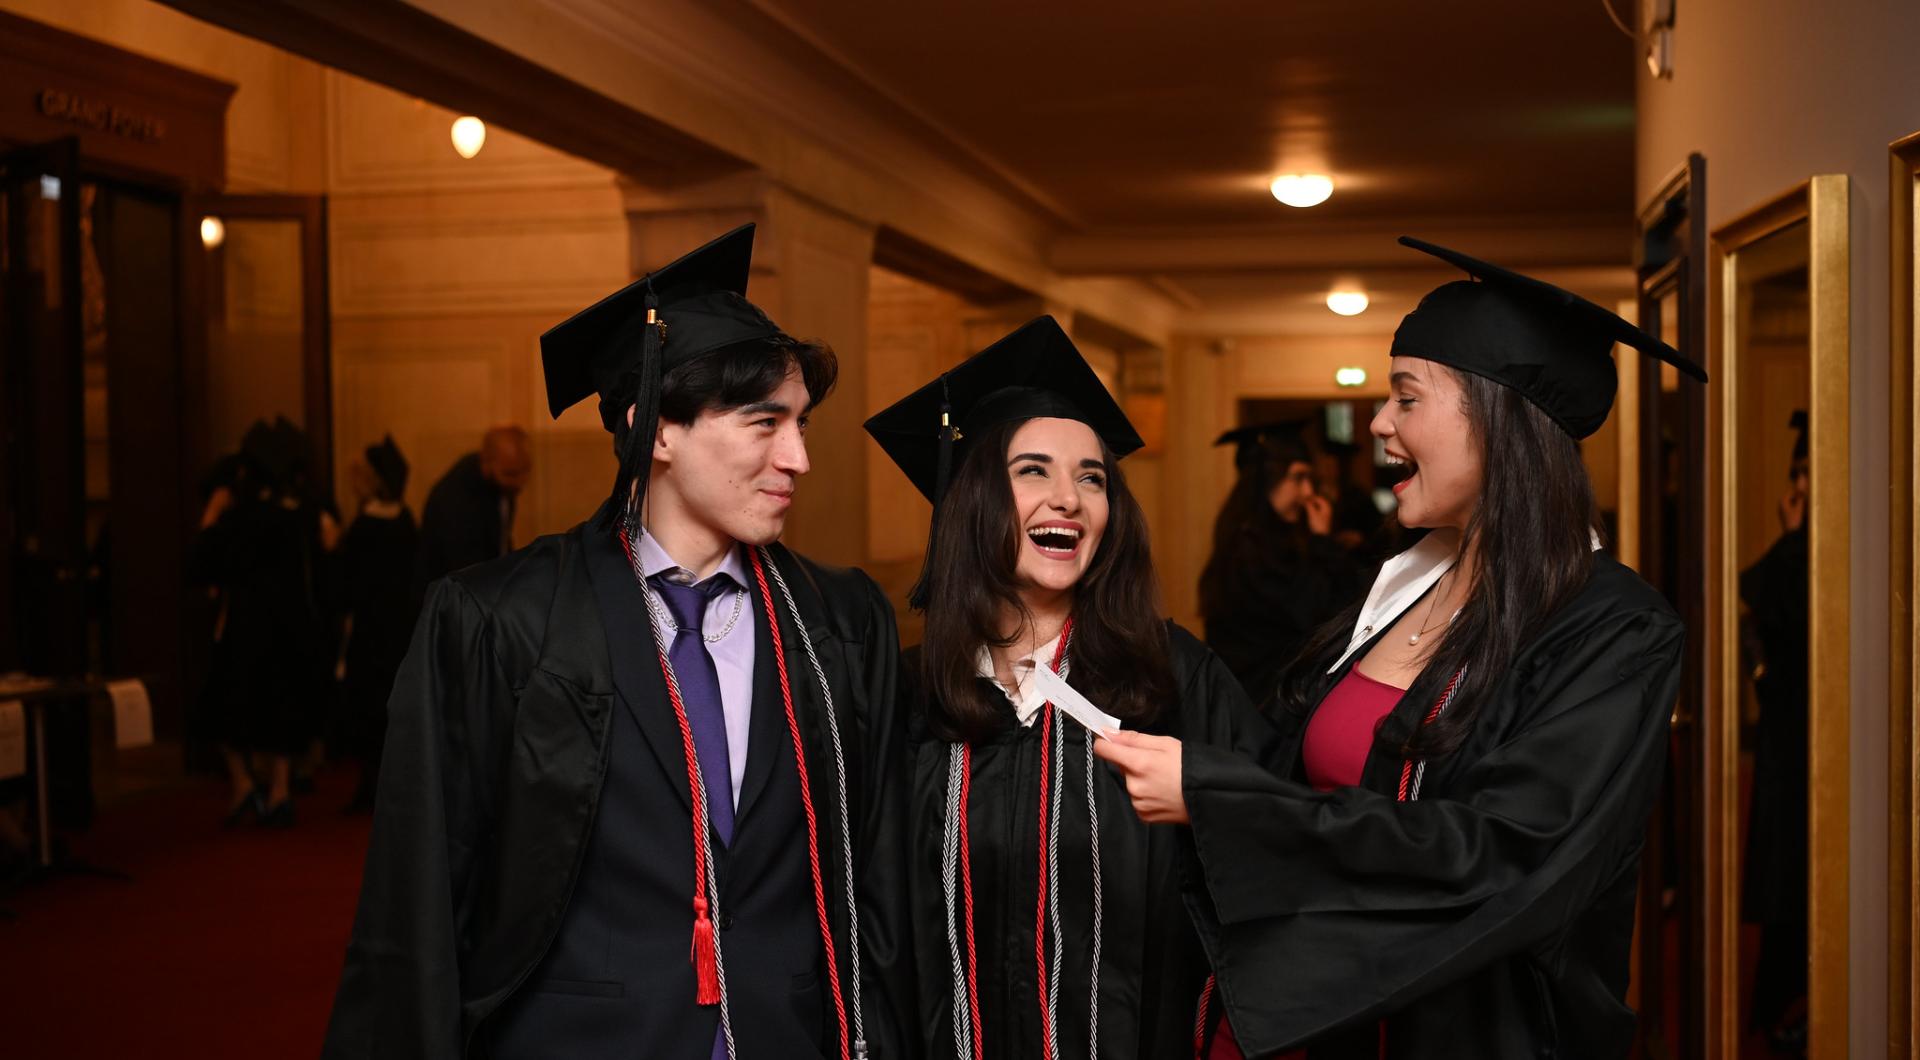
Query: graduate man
[643, 779]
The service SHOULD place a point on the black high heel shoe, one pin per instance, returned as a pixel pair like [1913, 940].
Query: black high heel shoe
[251, 804]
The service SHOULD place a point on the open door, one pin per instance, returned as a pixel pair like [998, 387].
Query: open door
[43, 582]
[267, 351]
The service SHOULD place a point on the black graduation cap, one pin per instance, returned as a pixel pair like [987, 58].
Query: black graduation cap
[1798, 423]
[1250, 442]
[693, 307]
[1036, 371]
[1550, 344]
[386, 461]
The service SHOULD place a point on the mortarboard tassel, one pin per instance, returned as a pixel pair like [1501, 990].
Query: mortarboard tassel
[942, 474]
[636, 452]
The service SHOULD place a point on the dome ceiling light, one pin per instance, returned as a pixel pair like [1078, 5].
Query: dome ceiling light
[1302, 189]
[1347, 303]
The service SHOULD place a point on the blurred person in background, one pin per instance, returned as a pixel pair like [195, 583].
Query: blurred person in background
[259, 544]
[376, 595]
[468, 517]
[1774, 893]
[1276, 572]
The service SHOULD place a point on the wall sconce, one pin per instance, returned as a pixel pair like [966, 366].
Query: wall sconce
[469, 135]
[1655, 37]
[1350, 376]
[213, 232]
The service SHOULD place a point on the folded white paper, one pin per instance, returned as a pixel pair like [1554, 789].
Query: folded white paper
[1063, 695]
[132, 714]
[13, 739]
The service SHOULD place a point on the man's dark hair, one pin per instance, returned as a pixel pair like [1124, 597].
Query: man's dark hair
[735, 376]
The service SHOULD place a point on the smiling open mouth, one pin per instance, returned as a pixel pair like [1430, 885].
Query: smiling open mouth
[1058, 539]
[1401, 470]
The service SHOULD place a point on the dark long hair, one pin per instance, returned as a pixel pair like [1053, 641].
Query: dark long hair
[1247, 532]
[1530, 540]
[1119, 655]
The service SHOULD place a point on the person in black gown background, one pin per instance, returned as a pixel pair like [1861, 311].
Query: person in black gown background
[1774, 896]
[376, 570]
[260, 544]
[468, 517]
[1039, 558]
[1276, 572]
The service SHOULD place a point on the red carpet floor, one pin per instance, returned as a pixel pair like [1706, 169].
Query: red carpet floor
[224, 943]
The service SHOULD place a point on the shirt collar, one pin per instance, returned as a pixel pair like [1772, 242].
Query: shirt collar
[1025, 695]
[654, 560]
[1404, 579]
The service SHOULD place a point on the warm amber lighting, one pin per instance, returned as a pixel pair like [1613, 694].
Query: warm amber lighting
[213, 232]
[469, 135]
[1302, 189]
[1350, 376]
[1348, 303]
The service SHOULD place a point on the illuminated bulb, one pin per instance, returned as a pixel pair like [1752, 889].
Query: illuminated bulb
[469, 135]
[1302, 189]
[1350, 376]
[213, 232]
[1347, 303]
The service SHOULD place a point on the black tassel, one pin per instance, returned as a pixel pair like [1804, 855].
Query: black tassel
[942, 477]
[636, 452]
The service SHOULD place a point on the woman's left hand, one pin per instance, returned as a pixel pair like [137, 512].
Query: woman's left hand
[1151, 767]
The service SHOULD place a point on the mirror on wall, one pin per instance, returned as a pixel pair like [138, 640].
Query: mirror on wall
[1782, 703]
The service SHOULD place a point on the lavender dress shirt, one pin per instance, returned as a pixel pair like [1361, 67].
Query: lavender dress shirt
[732, 654]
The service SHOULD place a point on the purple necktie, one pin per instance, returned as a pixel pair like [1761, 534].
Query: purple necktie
[700, 694]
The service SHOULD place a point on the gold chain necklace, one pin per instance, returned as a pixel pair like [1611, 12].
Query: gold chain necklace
[1413, 639]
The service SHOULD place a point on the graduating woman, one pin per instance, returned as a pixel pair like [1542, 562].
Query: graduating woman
[1047, 919]
[1442, 858]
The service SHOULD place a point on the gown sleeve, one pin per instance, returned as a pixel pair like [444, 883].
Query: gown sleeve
[399, 992]
[1319, 910]
[887, 970]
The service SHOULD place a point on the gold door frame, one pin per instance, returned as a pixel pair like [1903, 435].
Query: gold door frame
[1903, 704]
[1822, 203]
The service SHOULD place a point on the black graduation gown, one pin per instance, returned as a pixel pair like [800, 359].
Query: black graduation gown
[1492, 917]
[265, 681]
[460, 524]
[1774, 870]
[495, 760]
[376, 593]
[1272, 589]
[1152, 968]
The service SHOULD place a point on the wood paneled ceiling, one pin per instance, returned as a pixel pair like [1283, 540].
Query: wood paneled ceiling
[1123, 114]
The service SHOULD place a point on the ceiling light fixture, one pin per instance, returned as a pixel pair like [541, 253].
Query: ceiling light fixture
[469, 135]
[1347, 303]
[213, 232]
[1302, 189]
[1350, 376]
